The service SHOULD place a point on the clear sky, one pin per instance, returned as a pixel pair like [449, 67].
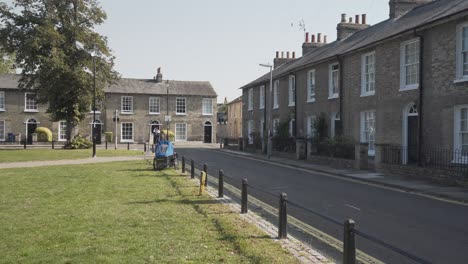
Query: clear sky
[219, 41]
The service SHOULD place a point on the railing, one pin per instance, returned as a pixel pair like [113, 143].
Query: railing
[284, 144]
[231, 141]
[335, 149]
[257, 197]
[455, 161]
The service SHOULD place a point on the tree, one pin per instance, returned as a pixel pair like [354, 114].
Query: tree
[7, 64]
[43, 35]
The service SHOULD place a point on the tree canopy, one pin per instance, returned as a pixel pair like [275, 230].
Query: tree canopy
[7, 62]
[43, 34]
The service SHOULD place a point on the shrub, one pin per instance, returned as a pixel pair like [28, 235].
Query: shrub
[43, 134]
[79, 142]
[339, 147]
[108, 136]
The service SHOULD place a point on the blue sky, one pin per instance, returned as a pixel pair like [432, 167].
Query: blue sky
[217, 40]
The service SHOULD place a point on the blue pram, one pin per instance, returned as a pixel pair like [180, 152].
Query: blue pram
[165, 156]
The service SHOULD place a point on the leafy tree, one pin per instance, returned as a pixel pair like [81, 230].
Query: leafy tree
[7, 64]
[43, 34]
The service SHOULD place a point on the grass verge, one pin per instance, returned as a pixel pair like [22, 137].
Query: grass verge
[59, 154]
[121, 213]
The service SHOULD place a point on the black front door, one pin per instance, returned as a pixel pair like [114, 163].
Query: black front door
[413, 139]
[31, 130]
[97, 131]
[208, 130]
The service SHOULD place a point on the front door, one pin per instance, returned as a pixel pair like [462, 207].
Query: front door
[413, 152]
[31, 129]
[97, 131]
[208, 131]
[153, 128]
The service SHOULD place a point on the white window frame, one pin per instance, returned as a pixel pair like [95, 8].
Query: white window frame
[206, 101]
[331, 81]
[154, 102]
[2, 101]
[371, 151]
[403, 65]
[250, 98]
[185, 106]
[311, 86]
[250, 131]
[62, 131]
[457, 141]
[292, 90]
[122, 134]
[2, 131]
[126, 111]
[175, 131]
[459, 69]
[310, 129]
[368, 74]
[275, 94]
[276, 122]
[32, 110]
[262, 97]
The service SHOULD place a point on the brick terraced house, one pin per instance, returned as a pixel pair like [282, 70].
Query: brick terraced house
[142, 105]
[399, 87]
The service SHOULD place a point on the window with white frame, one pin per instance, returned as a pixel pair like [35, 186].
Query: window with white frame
[462, 52]
[2, 130]
[154, 105]
[62, 131]
[180, 132]
[334, 81]
[207, 106]
[368, 130]
[250, 99]
[368, 74]
[275, 94]
[409, 74]
[310, 129]
[311, 86]
[292, 127]
[250, 131]
[461, 134]
[126, 104]
[2, 101]
[126, 132]
[292, 90]
[275, 126]
[30, 102]
[181, 106]
[262, 97]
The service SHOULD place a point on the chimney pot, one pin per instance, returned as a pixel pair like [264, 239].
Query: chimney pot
[325, 39]
[343, 18]
[307, 38]
[357, 19]
[294, 55]
[287, 55]
[350, 20]
[277, 54]
[313, 38]
[364, 19]
[282, 54]
[319, 37]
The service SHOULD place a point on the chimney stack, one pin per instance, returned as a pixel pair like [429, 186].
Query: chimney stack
[159, 76]
[401, 7]
[278, 61]
[345, 30]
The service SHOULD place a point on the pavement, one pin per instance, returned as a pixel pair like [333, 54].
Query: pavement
[407, 184]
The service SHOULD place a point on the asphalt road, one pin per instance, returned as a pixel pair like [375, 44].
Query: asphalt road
[432, 229]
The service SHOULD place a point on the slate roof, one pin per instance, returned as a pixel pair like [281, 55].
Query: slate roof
[135, 86]
[417, 17]
[235, 100]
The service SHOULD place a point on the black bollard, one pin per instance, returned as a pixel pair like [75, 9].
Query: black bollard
[183, 164]
[221, 184]
[53, 144]
[244, 201]
[349, 246]
[283, 217]
[192, 169]
[128, 145]
[205, 169]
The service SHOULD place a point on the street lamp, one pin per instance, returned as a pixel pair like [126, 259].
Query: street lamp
[94, 54]
[270, 111]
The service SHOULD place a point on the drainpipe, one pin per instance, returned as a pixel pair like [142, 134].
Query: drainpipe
[295, 106]
[341, 94]
[264, 137]
[421, 94]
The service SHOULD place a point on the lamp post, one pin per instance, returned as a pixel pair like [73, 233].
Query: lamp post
[270, 111]
[94, 54]
[167, 110]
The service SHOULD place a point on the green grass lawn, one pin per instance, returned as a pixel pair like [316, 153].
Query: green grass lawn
[121, 213]
[59, 154]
